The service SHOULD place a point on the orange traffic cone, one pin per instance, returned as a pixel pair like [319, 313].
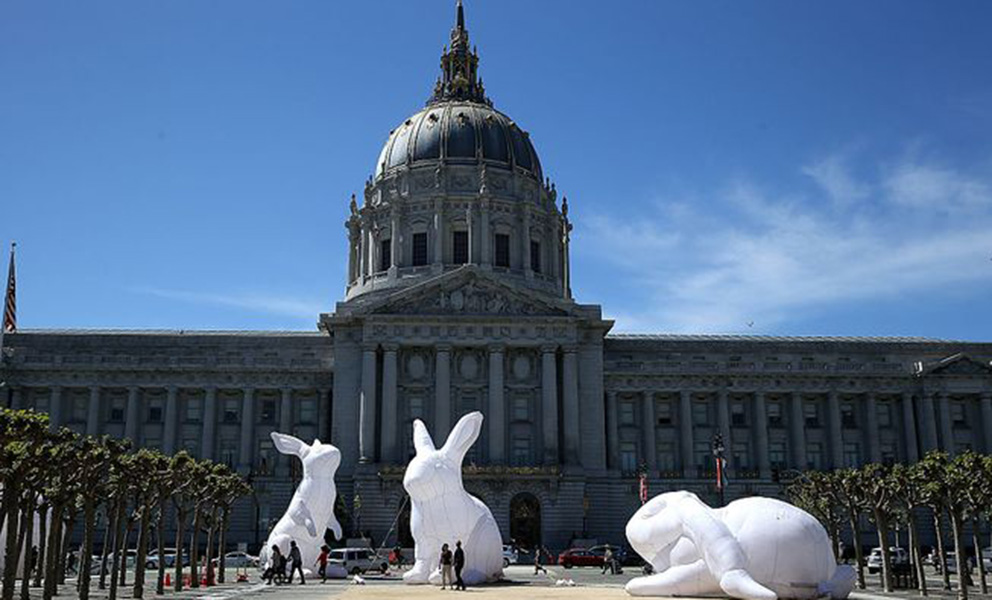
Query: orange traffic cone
[168, 580]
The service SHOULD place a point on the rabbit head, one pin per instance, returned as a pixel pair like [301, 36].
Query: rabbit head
[320, 461]
[656, 527]
[435, 472]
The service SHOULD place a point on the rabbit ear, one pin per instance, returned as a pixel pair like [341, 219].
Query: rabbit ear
[288, 444]
[422, 441]
[462, 437]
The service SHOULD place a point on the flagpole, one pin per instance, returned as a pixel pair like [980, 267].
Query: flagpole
[6, 302]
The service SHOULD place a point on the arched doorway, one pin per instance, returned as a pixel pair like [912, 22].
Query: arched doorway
[525, 521]
[404, 537]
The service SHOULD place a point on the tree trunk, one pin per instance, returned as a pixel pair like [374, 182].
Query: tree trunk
[52, 560]
[28, 547]
[120, 528]
[914, 547]
[858, 553]
[65, 546]
[962, 560]
[160, 534]
[11, 492]
[121, 557]
[210, 547]
[86, 554]
[942, 554]
[979, 555]
[194, 551]
[882, 527]
[177, 585]
[139, 561]
[108, 536]
[222, 543]
[39, 572]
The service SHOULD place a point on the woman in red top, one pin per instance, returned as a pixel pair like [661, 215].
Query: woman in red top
[322, 561]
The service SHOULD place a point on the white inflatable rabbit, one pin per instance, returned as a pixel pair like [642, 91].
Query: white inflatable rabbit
[753, 549]
[444, 513]
[311, 510]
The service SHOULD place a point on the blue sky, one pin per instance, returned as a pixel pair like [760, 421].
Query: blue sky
[771, 167]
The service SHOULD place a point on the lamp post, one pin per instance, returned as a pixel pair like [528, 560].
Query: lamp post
[718, 451]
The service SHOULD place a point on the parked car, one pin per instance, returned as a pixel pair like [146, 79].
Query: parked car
[238, 559]
[132, 557]
[358, 560]
[579, 557]
[619, 553]
[168, 557]
[987, 559]
[897, 556]
[952, 563]
[510, 555]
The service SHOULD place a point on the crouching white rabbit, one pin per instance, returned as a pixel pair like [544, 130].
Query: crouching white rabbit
[443, 512]
[311, 510]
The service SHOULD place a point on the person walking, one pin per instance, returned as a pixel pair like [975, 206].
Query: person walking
[538, 556]
[274, 566]
[459, 565]
[321, 563]
[296, 560]
[608, 562]
[446, 560]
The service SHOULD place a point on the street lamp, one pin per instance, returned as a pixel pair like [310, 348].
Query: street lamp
[718, 451]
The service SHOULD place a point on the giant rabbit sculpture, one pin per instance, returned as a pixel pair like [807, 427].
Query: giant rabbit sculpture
[311, 511]
[442, 512]
[753, 549]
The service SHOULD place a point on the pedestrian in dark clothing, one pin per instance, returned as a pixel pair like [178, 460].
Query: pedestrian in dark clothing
[274, 571]
[297, 562]
[538, 551]
[459, 565]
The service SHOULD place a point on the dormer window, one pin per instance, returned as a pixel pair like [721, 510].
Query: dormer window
[459, 247]
[502, 242]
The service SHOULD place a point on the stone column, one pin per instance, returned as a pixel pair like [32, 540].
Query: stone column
[986, 406]
[612, 431]
[836, 431]
[485, 241]
[55, 408]
[685, 434]
[909, 428]
[648, 426]
[497, 405]
[723, 424]
[395, 245]
[283, 461]
[871, 408]
[367, 413]
[363, 253]
[442, 393]
[93, 412]
[209, 440]
[472, 258]
[439, 233]
[525, 244]
[549, 405]
[171, 420]
[323, 414]
[247, 457]
[761, 436]
[132, 416]
[946, 431]
[797, 425]
[570, 405]
[389, 405]
[929, 420]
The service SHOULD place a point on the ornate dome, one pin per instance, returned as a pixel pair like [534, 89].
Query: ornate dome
[459, 132]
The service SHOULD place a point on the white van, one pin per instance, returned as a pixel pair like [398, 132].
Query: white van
[358, 560]
[897, 557]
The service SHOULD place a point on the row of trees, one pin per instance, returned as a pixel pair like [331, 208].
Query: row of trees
[63, 480]
[956, 490]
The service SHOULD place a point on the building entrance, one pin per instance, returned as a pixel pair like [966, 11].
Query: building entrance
[525, 521]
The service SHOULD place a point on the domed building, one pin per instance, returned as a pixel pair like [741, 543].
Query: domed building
[458, 298]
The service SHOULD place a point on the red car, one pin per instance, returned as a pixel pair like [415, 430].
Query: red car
[579, 557]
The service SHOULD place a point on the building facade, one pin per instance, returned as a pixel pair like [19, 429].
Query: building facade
[458, 298]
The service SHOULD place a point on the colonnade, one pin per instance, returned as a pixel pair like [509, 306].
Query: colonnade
[372, 401]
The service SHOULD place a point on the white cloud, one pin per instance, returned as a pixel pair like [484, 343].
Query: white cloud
[250, 301]
[770, 261]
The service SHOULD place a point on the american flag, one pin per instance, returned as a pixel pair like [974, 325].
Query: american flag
[643, 488]
[10, 301]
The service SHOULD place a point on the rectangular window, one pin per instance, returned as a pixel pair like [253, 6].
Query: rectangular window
[416, 404]
[502, 250]
[459, 247]
[884, 411]
[266, 456]
[194, 410]
[774, 414]
[153, 443]
[535, 256]
[811, 414]
[847, 418]
[776, 455]
[117, 410]
[154, 411]
[308, 410]
[419, 249]
[268, 411]
[814, 455]
[385, 254]
[738, 414]
[740, 456]
[663, 412]
[888, 451]
[700, 413]
[628, 457]
[627, 413]
[521, 409]
[232, 410]
[666, 456]
[852, 458]
[521, 451]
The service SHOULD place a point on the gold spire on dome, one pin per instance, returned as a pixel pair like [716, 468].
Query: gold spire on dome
[460, 68]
